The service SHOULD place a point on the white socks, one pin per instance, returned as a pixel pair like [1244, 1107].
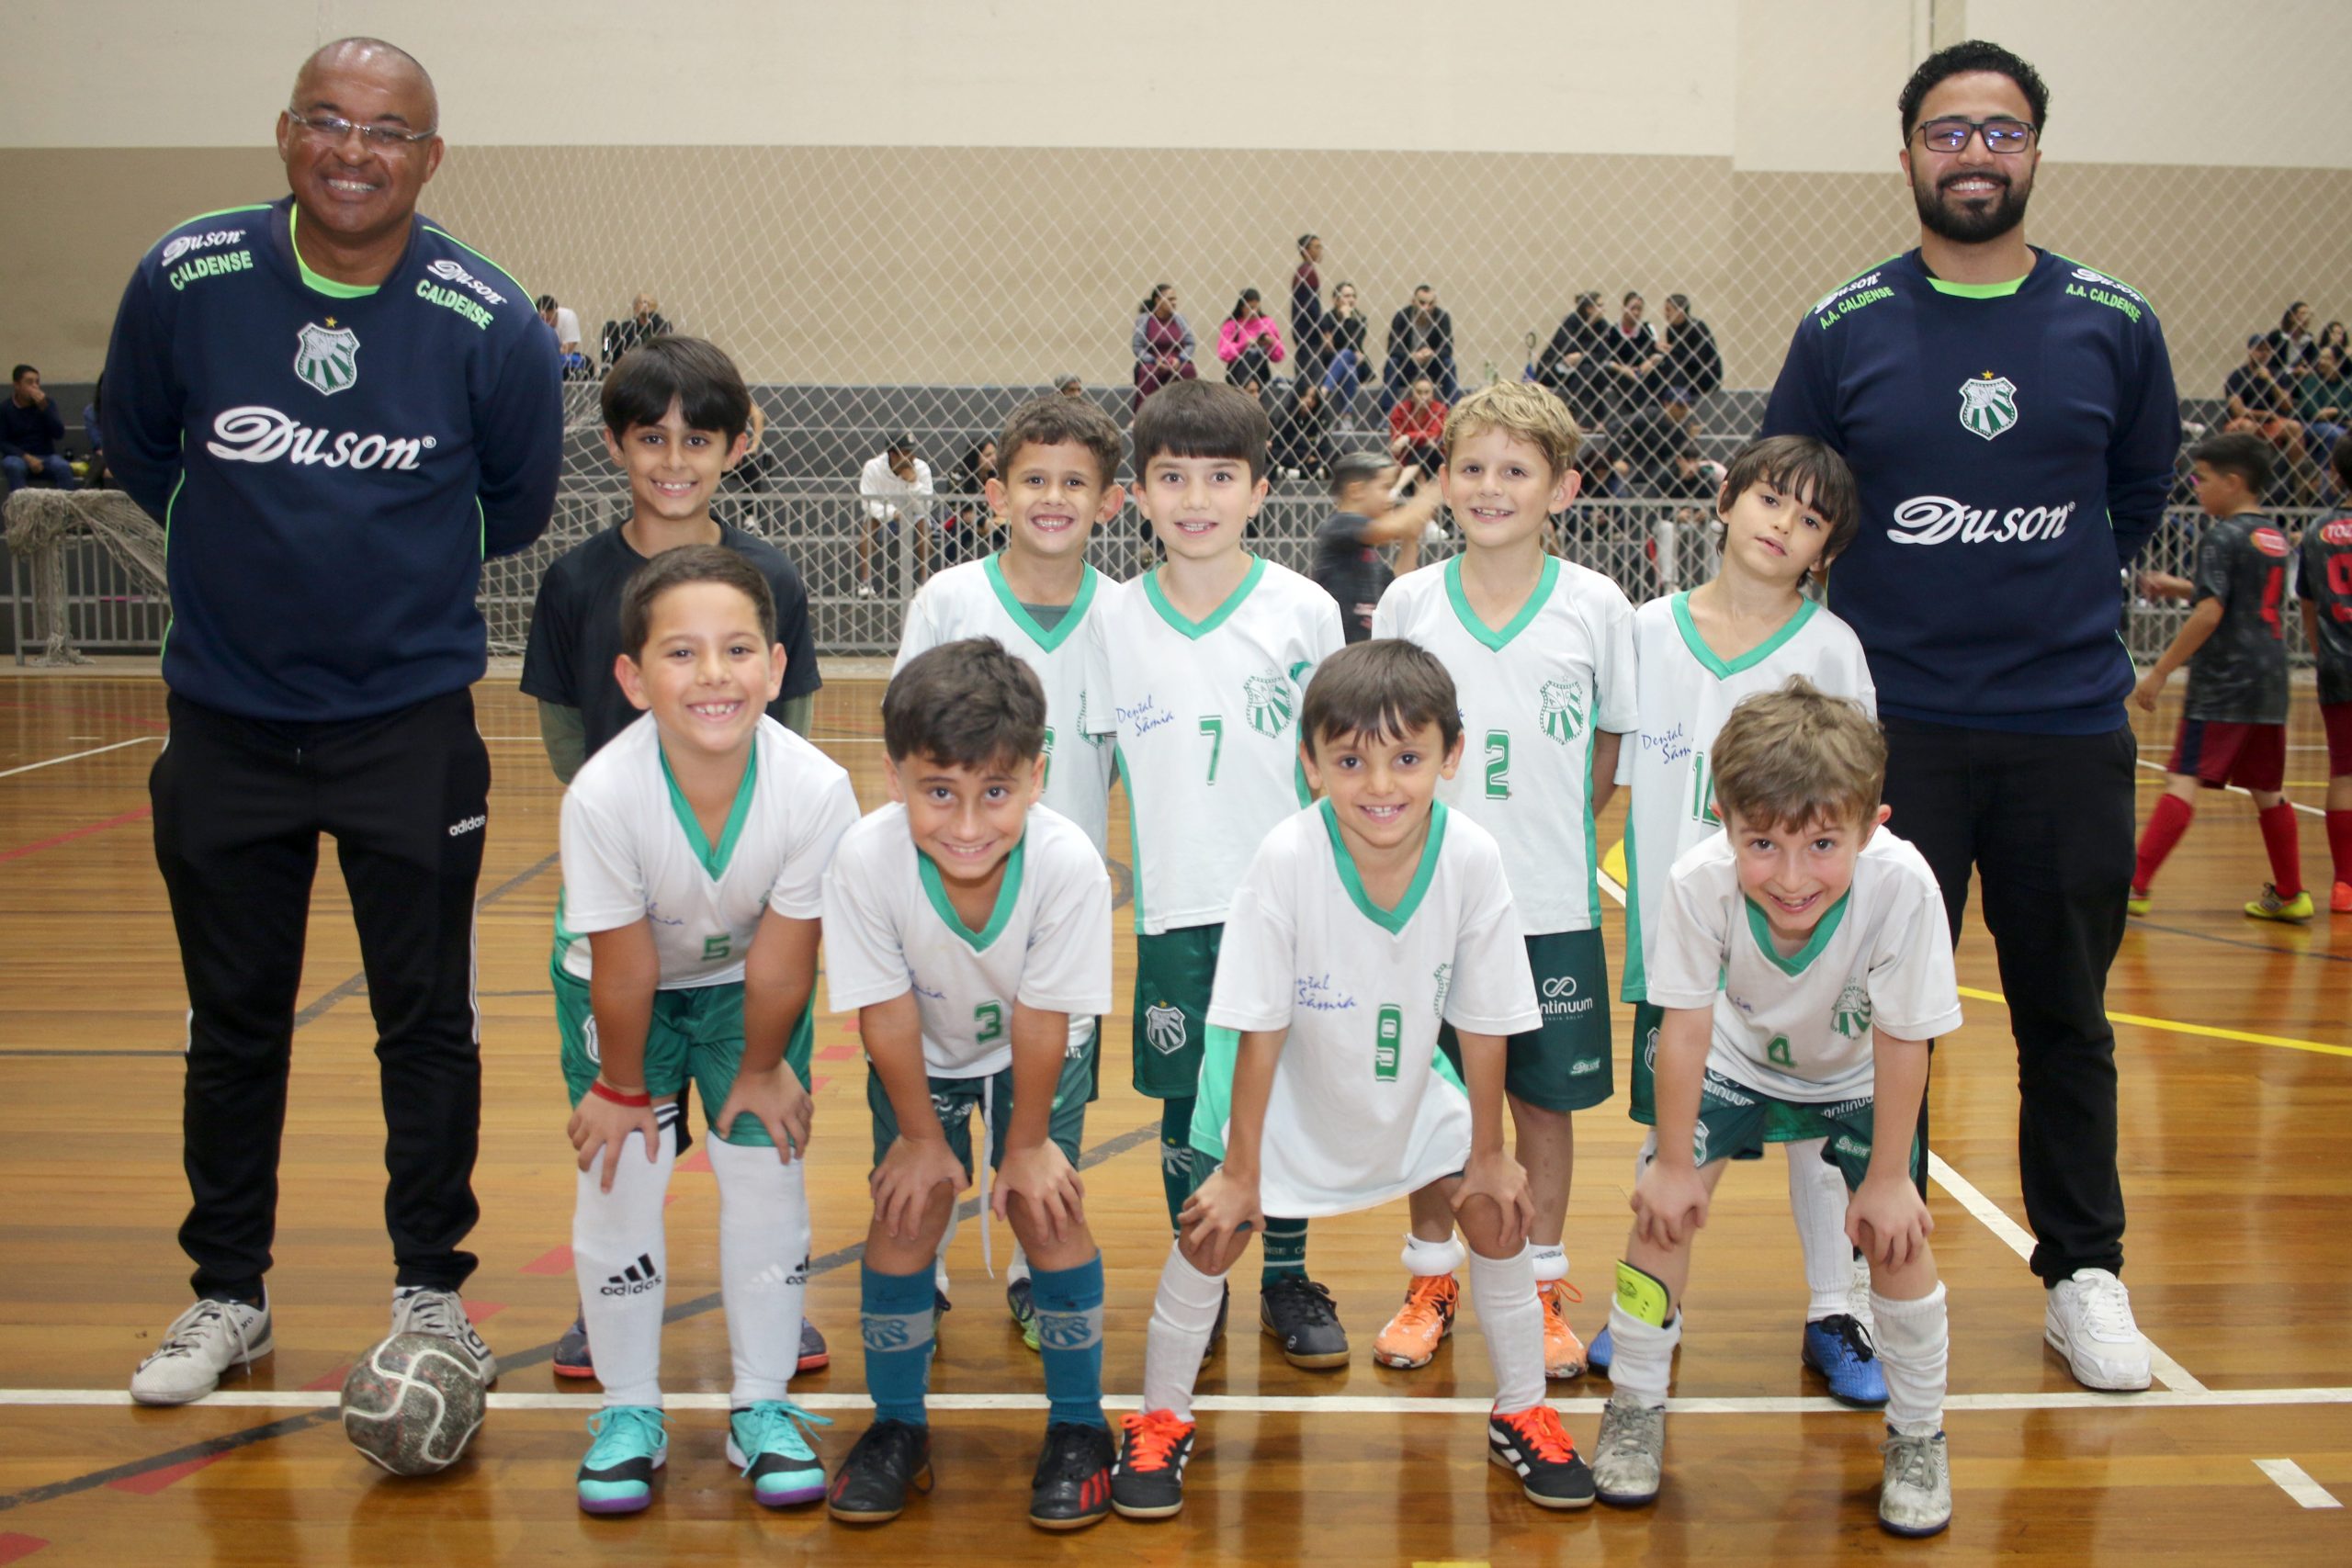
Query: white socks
[1817, 1198]
[1551, 1264]
[1503, 1292]
[762, 1266]
[1183, 1315]
[620, 1256]
[1427, 1259]
[939, 1263]
[1643, 1360]
[1914, 1348]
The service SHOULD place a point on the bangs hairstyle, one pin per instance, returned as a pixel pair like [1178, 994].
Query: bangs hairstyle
[1523, 409]
[1387, 688]
[968, 705]
[675, 569]
[696, 374]
[1792, 758]
[2243, 454]
[1202, 419]
[1057, 420]
[1960, 59]
[1808, 469]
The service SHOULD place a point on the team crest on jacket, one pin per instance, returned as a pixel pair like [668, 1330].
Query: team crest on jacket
[1270, 699]
[327, 358]
[1988, 405]
[1560, 708]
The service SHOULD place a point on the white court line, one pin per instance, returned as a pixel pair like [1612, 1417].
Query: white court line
[1277, 1405]
[75, 757]
[2233, 789]
[2169, 1373]
[2293, 1481]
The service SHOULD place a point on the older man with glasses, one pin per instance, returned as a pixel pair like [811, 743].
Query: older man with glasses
[343, 411]
[2010, 418]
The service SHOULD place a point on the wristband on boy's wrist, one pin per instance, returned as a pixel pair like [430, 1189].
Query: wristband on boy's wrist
[604, 1090]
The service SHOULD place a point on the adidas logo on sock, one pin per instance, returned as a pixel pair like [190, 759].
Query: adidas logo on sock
[633, 1280]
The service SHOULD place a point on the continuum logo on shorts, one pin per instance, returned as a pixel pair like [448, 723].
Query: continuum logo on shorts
[1560, 998]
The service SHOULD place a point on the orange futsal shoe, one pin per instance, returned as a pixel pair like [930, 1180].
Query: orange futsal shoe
[1412, 1336]
[1563, 1355]
[2340, 900]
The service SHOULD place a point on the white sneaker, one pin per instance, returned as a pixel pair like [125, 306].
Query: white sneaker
[2088, 1321]
[1914, 1493]
[866, 590]
[416, 1310]
[1629, 1456]
[202, 1343]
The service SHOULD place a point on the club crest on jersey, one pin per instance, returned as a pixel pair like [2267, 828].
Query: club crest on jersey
[1163, 1029]
[1988, 405]
[1852, 1016]
[327, 358]
[1560, 710]
[1270, 699]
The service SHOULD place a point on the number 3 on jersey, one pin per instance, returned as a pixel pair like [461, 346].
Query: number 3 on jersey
[988, 1023]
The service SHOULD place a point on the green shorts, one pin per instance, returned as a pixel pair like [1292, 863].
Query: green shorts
[1780, 1126]
[1563, 1065]
[1736, 1122]
[696, 1033]
[956, 1101]
[1175, 972]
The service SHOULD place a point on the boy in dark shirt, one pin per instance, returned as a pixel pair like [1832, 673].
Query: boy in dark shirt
[2234, 726]
[1347, 547]
[2325, 585]
[575, 625]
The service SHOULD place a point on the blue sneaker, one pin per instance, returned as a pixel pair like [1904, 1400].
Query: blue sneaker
[1596, 1354]
[631, 1444]
[1838, 1349]
[767, 1443]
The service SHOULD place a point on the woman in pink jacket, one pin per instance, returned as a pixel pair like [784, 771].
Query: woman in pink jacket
[1250, 341]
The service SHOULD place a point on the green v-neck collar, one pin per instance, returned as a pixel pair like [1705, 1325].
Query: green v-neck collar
[1007, 894]
[1217, 617]
[1499, 640]
[1759, 926]
[714, 861]
[1390, 920]
[1724, 669]
[1047, 641]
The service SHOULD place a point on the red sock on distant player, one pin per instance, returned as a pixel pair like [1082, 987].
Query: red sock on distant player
[2286, 858]
[2166, 823]
[2339, 843]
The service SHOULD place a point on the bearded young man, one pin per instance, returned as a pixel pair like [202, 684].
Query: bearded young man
[2010, 419]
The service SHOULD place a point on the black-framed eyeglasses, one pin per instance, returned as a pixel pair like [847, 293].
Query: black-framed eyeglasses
[2001, 134]
[335, 127]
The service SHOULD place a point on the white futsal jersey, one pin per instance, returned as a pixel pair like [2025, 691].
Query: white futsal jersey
[1531, 694]
[1363, 1108]
[1685, 695]
[1800, 1029]
[890, 928]
[632, 851]
[974, 600]
[1205, 714]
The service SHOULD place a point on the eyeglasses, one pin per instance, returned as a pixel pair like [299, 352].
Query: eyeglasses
[333, 127]
[2001, 134]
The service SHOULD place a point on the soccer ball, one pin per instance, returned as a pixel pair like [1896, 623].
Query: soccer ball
[413, 1403]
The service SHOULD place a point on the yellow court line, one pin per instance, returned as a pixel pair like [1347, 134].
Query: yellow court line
[2173, 1026]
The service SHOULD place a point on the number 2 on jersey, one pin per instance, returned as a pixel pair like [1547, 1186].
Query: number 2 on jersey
[1214, 727]
[1498, 764]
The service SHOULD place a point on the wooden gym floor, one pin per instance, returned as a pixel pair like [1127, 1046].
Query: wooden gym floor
[2236, 1060]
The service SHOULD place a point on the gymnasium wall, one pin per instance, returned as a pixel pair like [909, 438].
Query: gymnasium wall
[942, 191]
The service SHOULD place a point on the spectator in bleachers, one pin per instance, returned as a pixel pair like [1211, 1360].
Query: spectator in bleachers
[564, 321]
[1572, 362]
[1162, 343]
[1070, 386]
[1633, 355]
[1417, 427]
[1346, 364]
[2333, 336]
[2323, 400]
[1690, 358]
[1306, 310]
[896, 487]
[1301, 427]
[2260, 404]
[1420, 343]
[1657, 449]
[1250, 341]
[963, 529]
[2292, 344]
[644, 324]
[30, 428]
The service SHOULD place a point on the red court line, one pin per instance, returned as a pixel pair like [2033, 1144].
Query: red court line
[837, 1053]
[21, 850]
[555, 1260]
[155, 1481]
[14, 1546]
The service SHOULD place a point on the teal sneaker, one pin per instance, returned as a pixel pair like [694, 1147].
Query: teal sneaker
[631, 1444]
[767, 1443]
